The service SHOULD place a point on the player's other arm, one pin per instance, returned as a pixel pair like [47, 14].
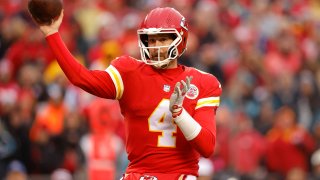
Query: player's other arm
[98, 83]
[199, 130]
[205, 141]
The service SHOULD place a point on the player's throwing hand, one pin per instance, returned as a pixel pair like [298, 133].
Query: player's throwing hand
[177, 97]
[53, 27]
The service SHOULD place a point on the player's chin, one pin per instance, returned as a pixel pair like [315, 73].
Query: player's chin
[156, 58]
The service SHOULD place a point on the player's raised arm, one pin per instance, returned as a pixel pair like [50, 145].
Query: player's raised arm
[95, 82]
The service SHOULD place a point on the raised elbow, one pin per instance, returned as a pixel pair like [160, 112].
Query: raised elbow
[208, 152]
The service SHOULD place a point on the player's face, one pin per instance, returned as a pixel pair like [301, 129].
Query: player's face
[156, 41]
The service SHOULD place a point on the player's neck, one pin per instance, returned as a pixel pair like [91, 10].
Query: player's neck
[173, 64]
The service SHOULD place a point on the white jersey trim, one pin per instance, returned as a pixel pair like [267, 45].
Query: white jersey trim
[117, 80]
[208, 102]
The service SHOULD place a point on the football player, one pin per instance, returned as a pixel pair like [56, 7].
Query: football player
[169, 109]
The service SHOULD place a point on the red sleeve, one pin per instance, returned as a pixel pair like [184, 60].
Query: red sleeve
[204, 143]
[95, 82]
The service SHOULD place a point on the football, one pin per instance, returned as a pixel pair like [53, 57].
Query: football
[45, 11]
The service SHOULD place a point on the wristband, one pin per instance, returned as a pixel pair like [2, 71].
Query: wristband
[189, 127]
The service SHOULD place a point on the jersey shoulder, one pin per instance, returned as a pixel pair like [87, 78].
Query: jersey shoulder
[126, 63]
[205, 88]
[207, 83]
[120, 69]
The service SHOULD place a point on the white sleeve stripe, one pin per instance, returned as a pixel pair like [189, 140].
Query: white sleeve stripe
[208, 99]
[207, 105]
[211, 101]
[117, 80]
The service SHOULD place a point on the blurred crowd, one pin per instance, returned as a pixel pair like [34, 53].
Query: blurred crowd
[265, 53]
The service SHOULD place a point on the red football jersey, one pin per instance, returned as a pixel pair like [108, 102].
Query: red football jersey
[154, 143]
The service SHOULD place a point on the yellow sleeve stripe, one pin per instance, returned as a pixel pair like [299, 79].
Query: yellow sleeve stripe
[211, 101]
[117, 80]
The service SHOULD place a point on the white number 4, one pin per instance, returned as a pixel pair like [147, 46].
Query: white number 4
[161, 121]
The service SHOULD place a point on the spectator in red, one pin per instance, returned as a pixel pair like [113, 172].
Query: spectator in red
[102, 146]
[289, 145]
[283, 55]
[29, 48]
[248, 148]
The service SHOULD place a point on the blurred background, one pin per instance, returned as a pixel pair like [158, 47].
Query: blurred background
[265, 53]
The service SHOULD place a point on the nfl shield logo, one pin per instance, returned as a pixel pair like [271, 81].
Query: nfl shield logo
[166, 88]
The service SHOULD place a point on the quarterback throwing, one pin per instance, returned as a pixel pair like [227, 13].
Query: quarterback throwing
[169, 109]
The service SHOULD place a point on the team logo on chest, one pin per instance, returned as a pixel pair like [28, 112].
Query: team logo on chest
[166, 88]
[193, 92]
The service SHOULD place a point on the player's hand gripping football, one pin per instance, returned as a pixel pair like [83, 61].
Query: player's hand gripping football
[177, 97]
[53, 27]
